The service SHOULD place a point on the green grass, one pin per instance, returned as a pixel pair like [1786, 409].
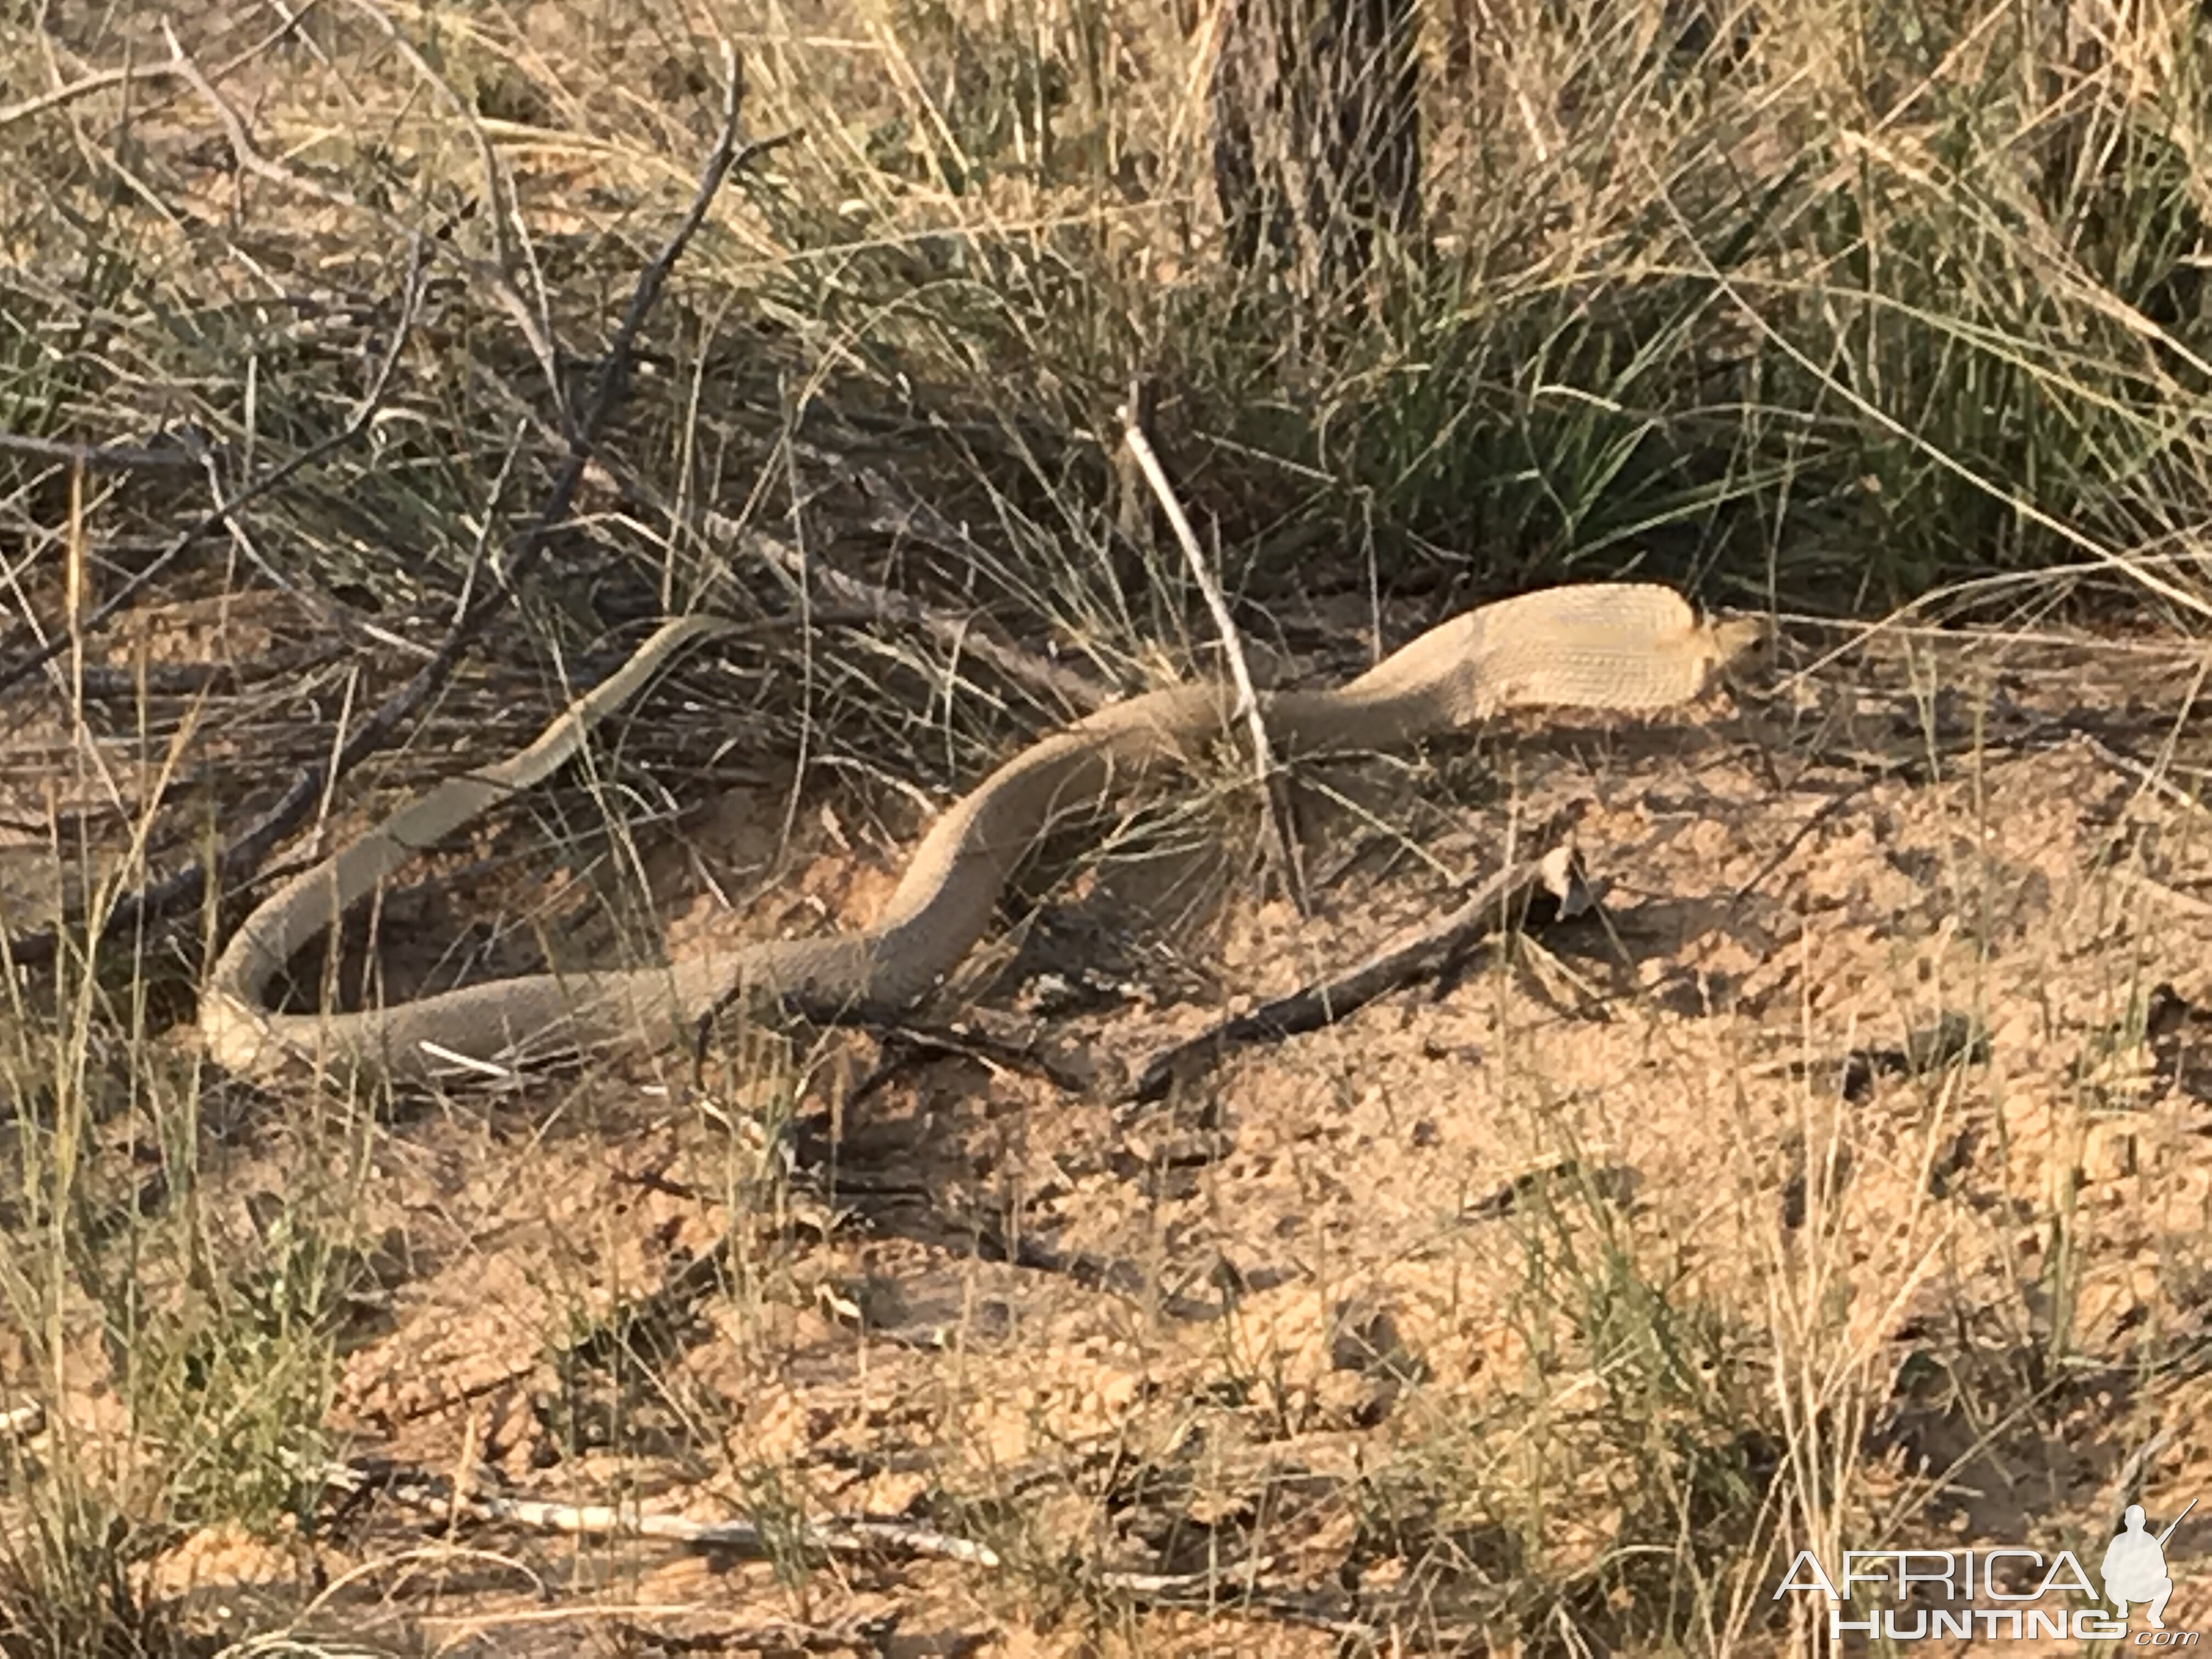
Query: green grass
[1827, 307]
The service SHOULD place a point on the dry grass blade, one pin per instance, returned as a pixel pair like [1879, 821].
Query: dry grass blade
[96, 456]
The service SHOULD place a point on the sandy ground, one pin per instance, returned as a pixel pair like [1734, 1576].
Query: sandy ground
[1852, 1158]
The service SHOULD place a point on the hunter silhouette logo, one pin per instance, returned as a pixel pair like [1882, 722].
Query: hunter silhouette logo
[1999, 1594]
[2134, 1566]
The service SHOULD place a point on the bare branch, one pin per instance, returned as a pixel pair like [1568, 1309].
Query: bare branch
[1500, 904]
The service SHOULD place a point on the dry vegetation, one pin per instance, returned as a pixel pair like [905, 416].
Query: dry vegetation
[1844, 1184]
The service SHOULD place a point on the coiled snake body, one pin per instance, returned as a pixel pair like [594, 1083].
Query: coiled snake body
[1608, 646]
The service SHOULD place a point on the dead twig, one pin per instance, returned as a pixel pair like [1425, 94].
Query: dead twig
[436, 1497]
[97, 458]
[103, 80]
[1232, 1588]
[1283, 844]
[1501, 904]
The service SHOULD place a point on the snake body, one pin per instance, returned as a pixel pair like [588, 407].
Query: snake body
[1606, 646]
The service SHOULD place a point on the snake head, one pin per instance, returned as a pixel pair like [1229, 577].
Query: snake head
[1734, 643]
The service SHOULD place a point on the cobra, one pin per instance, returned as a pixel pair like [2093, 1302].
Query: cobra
[1597, 645]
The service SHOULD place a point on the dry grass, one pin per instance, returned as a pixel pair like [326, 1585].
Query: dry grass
[1554, 1314]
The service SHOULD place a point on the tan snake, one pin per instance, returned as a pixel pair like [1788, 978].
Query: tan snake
[1608, 646]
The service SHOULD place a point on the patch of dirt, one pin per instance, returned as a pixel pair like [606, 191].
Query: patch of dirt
[1865, 1123]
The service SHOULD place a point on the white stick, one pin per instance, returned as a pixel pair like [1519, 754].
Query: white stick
[1248, 699]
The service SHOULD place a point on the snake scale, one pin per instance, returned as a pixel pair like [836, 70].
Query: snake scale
[1603, 645]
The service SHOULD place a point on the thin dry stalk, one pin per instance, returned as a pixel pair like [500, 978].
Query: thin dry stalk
[1233, 1587]
[1283, 844]
[442, 1500]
